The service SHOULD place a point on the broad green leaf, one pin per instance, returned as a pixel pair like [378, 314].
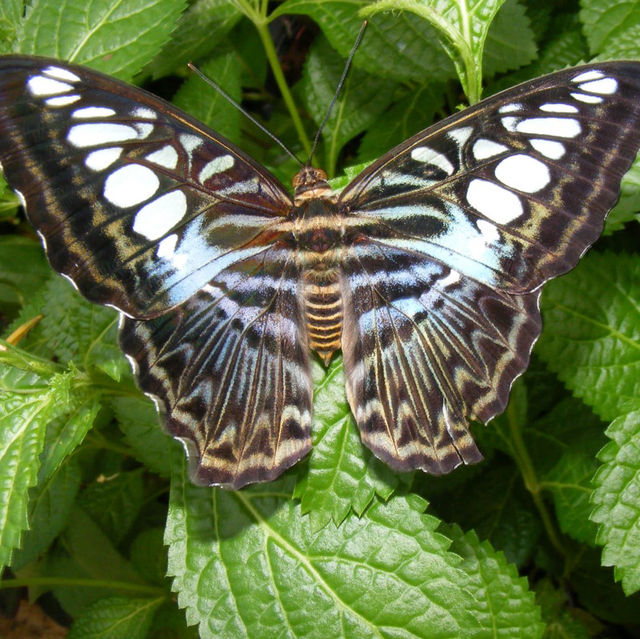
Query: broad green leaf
[629, 203]
[510, 42]
[493, 582]
[114, 503]
[398, 47]
[203, 102]
[27, 404]
[118, 38]
[49, 506]
[248, 564]
[116, 618]
[361, 101]
[200, 29]
[612, 29]
[149, 556]
[23, 267]
[616, 500]
[461, 26]
[143, 432]
[10, 17]
[556, 613]
[592, 332]
[342, 474]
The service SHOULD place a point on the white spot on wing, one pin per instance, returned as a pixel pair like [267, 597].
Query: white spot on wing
[190, 142]
[559, 107]
[483, 149]
[217, 165]
[549, 148]
[489, 231]
[103, 158]
[493, 201]
[144, 112]
[510, 108]
[167, 247]
[167, 156]
[84, 135]
[510, 123]
[130, 185]
[159, 216]
[429, 156]
[61, 74]
[460, 135]
[63, 100]
[92, 112]
[606, 86]
[41, 86]
[558, 127]
[452, 278]
[586, 76]
[523, 172]
[587, 99]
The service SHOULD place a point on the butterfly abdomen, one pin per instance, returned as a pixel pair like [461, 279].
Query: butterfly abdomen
[323, 311]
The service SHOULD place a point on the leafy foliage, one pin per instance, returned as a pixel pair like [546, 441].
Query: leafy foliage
[340, 546]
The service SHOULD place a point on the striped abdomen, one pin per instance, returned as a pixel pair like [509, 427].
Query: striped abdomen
[323, 311]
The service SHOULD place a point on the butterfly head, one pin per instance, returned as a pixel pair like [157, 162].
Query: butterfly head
[310, 183]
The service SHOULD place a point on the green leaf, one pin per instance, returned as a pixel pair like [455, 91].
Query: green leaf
[510, 43]
[10, 16]
[617, 507]
[461, 26]
[361, 101]
[342, 474]
[591, 337]
[23, 267]
[149, 557]
[114, 503]
[493, 582]
[140, 424]
[200, 29]
[116, 618]
[612, 29]
[27, 404]
[117, 38]
[402, 48]
[556, 613]
[387, 573]
[629, 203]
[49, 508]
[205, 103]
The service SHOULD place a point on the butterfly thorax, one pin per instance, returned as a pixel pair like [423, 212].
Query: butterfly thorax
[318, 234]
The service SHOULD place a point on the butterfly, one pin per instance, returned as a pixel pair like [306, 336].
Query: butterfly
[425, 271]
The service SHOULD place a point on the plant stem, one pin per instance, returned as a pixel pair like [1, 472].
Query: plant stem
[84, 583]
[524, 463]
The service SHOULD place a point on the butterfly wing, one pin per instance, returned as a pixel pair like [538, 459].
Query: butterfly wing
[146, 210]
[229, 368]
[458, 228]
[138, 204]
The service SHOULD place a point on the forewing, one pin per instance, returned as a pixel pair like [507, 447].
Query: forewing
[138, 204]
[230, 370]
[425, 350]
[512, 191]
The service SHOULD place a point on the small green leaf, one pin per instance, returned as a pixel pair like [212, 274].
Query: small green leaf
[10, 17]
[117, 38]
[612, 29]
[114, 503]
[204, 103]
[617, 507]
[387, 573]
[27, 404]
[116, 618]
[49, 506]
[342, 474]
[493, 582]
[149, 556]
[23, 267]
[142, 429]
[629, 203]
[200, 29]
[591, 337]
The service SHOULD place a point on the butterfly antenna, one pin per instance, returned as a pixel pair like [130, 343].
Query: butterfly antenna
[229, 99]
[347, 66]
